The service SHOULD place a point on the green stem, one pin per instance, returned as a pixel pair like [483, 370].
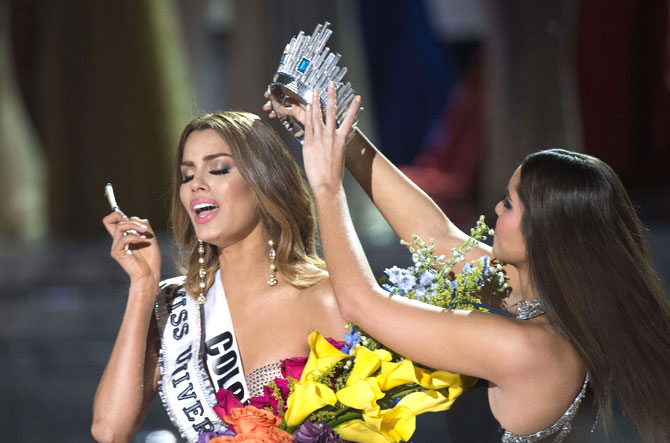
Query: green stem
[334, 423]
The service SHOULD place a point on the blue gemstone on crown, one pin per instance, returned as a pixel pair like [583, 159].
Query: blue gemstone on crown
[304, 63]
[283, 57]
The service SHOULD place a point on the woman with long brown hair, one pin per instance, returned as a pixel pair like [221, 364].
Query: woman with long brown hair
[591, 315]
[254, 286]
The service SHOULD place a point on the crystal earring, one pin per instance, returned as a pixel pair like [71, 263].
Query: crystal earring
[202, 273]
[272, 281]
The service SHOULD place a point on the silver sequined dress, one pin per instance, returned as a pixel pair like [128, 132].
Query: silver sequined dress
[260, 377]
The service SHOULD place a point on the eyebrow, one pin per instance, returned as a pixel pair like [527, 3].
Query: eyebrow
[206, 158]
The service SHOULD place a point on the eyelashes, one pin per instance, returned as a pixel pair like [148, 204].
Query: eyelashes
[506, 203]
[222, 171]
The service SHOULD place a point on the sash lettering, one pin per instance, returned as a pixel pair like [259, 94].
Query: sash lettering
[185, 388]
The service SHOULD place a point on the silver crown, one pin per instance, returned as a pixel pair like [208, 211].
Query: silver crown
[307, 64]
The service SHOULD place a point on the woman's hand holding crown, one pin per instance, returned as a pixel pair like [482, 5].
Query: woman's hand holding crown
[134, 247]
[323, 148]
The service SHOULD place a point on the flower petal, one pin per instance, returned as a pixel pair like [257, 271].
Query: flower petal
[307, 398]
[322, 356]
[362, 394]
[366, 363]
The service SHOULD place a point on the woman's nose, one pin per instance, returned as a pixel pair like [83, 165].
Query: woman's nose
[199, 183]
[498, 208]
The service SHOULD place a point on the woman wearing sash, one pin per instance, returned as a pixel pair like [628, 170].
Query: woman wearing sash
[590, 311]
[254, 287]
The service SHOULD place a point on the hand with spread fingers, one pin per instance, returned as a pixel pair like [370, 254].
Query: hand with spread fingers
[324, 144]
[134, 246]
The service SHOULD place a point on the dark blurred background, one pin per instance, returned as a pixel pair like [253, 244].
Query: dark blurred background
[456, 92]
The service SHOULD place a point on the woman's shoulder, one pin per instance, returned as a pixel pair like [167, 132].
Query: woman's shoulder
[319, 294]
[543, 344]
[321, 305]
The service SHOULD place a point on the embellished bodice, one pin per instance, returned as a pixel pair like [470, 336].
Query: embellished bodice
[259, 377]
[559, 429]
[526, 310]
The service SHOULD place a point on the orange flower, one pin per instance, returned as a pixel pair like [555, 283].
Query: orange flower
[281, 436]
[252, 420]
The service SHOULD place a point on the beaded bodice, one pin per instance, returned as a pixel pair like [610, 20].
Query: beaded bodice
[559, 429]
[526, 310]
[259, 377]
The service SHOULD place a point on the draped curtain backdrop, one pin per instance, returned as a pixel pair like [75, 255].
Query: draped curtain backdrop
[106, 87]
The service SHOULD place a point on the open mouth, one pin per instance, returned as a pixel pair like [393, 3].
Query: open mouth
[203, 209]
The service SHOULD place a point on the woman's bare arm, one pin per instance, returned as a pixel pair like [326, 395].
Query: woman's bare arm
[478, 344]
[406, 208]
[129, 383]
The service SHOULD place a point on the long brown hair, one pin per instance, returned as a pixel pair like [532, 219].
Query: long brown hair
[286, 209]
[590, 265]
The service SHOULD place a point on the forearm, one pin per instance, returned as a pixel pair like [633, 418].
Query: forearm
[398, 322]
[126, 388]
[350, 273]
[394, 194]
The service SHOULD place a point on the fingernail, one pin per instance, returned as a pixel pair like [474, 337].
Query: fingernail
[331, 84]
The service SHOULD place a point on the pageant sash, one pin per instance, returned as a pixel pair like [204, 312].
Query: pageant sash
[185, 388]
[223, 356]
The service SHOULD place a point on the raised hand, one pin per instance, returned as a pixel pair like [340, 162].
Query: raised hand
[290, 107]
[323, 148]
[134, 246]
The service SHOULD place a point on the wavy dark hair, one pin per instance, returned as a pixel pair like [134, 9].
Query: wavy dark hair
[285, 205]
[590, 265]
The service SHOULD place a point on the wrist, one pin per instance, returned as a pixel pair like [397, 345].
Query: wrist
[327, 191]
[144, 284]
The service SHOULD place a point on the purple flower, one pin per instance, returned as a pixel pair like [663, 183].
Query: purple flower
[315, 433]
[427, 277]
[406, 281]
[486, 263]
[394, 274]
[205, 437]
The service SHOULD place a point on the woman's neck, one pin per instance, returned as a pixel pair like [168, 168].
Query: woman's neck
[245, 265]
[525, 285]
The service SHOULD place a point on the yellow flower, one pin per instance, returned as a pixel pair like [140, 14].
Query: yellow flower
[428, 401]
[366, 363]
[396, 374]
[444, 379]
[390, 425]
[305, 399]
[322, 356]
[309, 395]
[361, 394]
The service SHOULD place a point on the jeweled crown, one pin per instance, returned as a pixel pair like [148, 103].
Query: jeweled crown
[305, 64]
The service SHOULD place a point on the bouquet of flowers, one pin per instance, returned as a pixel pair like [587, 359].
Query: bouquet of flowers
[358, 390]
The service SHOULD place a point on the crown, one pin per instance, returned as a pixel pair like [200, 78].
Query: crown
[307, 64]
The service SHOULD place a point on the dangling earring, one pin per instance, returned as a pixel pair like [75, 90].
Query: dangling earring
[272, 281]
[202, 273]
